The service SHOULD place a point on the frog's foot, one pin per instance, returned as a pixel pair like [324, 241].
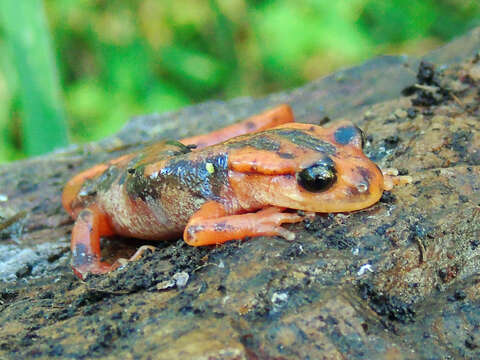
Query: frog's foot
[138, 254]
[391, 179]
[211, 225]
[280, 114]
[90, 226]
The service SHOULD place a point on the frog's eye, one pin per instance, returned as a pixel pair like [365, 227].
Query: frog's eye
[350, 134]
[318, 177]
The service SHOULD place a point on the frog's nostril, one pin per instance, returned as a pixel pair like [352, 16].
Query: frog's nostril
[362, 187]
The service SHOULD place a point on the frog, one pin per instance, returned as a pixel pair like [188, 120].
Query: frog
[243, 181]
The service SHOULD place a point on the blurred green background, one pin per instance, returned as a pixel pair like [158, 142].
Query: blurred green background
[85, 67]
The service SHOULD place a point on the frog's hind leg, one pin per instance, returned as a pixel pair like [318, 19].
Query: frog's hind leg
[73, 186]
[90, 226]
[281, 114]
[212, 225]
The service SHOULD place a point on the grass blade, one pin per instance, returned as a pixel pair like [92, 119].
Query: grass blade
[26, 31]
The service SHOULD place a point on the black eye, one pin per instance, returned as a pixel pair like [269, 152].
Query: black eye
[318, 177]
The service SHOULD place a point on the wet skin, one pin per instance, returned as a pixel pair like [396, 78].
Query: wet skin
[234, 183]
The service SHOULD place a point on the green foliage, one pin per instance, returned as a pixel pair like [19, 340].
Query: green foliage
[43, 126]
[121, 58]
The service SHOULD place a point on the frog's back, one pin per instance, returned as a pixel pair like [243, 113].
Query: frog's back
[155, 195]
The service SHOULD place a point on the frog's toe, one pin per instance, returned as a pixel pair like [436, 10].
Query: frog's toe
[210, 225]
[97, 268]
[138, 254]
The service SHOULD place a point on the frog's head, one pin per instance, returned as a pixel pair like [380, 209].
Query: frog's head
[307, 167]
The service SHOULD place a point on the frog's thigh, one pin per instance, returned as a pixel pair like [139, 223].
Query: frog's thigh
[211, 225]
[89, 227]
[278, 115]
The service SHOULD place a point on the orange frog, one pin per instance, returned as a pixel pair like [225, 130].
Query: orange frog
[215, 188]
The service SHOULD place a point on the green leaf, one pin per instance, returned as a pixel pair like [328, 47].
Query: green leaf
[199, 69]
[26, 31]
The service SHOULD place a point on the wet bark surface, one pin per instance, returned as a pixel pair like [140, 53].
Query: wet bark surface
[399, 280]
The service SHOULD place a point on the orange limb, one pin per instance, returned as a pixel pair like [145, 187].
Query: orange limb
[90, 226]
[74, 185]
[278, 115]
[391, 179]
[211, 225]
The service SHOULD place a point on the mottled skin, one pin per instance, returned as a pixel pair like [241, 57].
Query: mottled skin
[215, 193]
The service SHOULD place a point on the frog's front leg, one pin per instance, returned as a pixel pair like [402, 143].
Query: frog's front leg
[212, 225]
